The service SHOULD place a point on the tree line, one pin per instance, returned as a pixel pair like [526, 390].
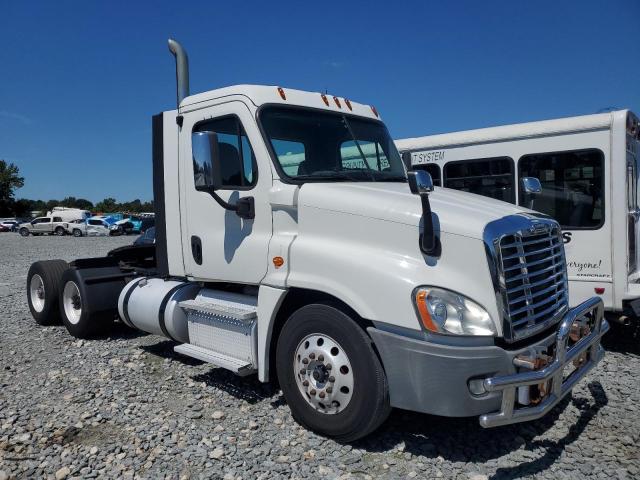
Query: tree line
[10, 180]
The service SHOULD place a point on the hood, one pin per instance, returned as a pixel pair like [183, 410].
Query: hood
[457, 212]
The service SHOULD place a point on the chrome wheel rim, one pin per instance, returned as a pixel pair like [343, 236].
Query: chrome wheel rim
[323, 373]
[36, 292]
[72, 302]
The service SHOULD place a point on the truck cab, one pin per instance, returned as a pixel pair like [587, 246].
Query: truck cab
[292, 244]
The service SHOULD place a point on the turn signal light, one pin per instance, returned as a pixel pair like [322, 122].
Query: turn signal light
[281, 92]
[278, 262]
[425, 316]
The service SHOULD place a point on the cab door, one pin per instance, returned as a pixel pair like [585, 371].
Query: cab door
[42, 225]
[218, 244]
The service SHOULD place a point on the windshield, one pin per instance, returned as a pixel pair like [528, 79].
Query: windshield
[313, 145]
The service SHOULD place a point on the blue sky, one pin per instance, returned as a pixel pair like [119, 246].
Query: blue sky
[79, 81]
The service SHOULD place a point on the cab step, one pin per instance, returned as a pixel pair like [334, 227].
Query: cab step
[219, 360]
[223, 330]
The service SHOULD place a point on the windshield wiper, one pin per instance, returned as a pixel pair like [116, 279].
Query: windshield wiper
[364, 159]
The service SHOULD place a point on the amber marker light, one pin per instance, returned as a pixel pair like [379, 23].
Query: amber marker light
[425, 316]
[335, 99]
[375, 112]
[325, 99]
[278, 262]
[348, 103]
[281, 92]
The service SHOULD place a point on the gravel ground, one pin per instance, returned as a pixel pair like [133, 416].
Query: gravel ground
[126, 406]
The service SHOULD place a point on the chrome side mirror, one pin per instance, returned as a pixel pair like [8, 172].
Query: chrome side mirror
[420, 182]
[531, 185]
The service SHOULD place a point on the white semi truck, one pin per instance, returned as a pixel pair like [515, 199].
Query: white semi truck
[588, 167]
[357, 287]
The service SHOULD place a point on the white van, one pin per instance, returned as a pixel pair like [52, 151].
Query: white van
[69, 214]
[588, 168]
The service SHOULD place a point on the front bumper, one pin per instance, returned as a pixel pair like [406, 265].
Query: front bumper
[433, 378]
[554, 371]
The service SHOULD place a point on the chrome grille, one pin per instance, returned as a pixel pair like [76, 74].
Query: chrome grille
[531, 277]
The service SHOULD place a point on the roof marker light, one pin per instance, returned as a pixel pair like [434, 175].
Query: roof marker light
[281, 92]
[348, 103]
[375, 112]
[335, 99]
[325, 99]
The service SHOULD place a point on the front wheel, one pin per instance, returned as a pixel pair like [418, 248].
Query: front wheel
[330, 376]
[24, 232]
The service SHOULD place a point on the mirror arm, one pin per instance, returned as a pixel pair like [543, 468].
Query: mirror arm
[245, 208]
[428, 243]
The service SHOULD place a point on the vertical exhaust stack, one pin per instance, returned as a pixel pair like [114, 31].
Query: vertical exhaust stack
[182, 69]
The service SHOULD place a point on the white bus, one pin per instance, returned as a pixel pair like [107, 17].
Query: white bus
[588, 169]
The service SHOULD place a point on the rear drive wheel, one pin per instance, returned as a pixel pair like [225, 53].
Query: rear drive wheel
[43, 284]
[24, 232]
[76, 308]
[330, 375]
[77, 232]
[59, 231]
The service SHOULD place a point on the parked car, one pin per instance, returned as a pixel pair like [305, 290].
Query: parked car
[77, 228]
[99, 225]
[148, 237]
[43, 226]
[9, 225]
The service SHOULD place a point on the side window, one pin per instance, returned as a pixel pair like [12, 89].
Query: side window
[222, 145]
[290, 155]
[46, 220]
[491, 177]
[572, 186]
[57, 219]
[433, 169]
[373, 152]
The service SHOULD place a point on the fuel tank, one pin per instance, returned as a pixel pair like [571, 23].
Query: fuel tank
[151, 305]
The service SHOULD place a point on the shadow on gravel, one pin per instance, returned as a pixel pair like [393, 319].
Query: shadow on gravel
[248, 389]
[622, 339]
[464, 440]
[164, 349]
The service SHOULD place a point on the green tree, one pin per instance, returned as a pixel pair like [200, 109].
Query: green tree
[10, 180]
[107, 205]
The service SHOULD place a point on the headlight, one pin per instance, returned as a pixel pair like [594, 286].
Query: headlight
[444, 311]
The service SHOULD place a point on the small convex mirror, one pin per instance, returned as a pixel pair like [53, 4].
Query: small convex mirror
[531, 185]
[420, 182]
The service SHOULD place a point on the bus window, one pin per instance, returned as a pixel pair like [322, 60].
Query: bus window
[572, 186]
[433, 170]
[491, 177]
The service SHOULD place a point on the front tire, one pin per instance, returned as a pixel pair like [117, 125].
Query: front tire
[24, 232]
[43, 284]
[330, 376]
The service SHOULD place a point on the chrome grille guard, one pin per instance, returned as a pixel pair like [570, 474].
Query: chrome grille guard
[588, 345]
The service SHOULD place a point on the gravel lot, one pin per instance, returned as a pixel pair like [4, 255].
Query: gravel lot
[126, 406]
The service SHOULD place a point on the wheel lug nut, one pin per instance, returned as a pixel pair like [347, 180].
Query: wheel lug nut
[328, 367]
[321, 395]
[305, 383]
[312, 356]
[321, 358]
[329, 389]
[303, 371]
[332, 379]
[312, 392]
[305, 360]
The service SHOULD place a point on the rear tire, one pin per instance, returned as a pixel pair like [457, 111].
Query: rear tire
[330, 375]
[43, 284]
[76, 308]
[59, 231]
[77, 232]
[24, 232]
